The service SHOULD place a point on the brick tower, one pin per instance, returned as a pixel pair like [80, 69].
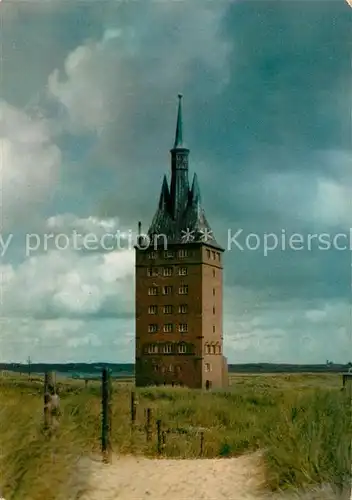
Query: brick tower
[179, 299]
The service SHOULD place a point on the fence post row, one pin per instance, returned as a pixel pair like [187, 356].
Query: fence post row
[148, 429]
[201, 443]
[46, 402]
[133, 408]
[106, 415]
[49, 385]
[158, 432]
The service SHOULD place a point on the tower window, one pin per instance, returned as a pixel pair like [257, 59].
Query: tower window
[182, 348]
[152, 255]
[213, 328]
[207, 367]
[213, 309]
[153, 290]
[182, 271]
[183, 327]
[152, 349]
[167, 309]
[155, 368]
[214, 291]
[170, 368]
[206, 348]
[167, 290]
[153, 310]
[152, 271]
[183, 290]
[167, 271]
[213, 254]
[183, 309]
[153, 328]
[208, 254]
[183, 253]
[214, 273]
[168, 254]
[167, 348]
[168, 328]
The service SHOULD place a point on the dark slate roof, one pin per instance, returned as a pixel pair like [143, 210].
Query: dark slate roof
[180, 215]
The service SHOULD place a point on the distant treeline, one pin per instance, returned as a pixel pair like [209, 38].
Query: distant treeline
[127, 369]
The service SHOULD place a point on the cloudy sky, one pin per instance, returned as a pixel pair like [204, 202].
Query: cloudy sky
[88, 96]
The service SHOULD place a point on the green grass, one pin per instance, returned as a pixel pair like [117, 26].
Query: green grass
[302, 422]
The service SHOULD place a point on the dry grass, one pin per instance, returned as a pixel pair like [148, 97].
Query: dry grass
[303, 422]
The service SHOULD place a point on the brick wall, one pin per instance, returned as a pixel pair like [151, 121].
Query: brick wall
[203, 318]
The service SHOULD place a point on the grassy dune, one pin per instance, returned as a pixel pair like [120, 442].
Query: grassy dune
[303, 422]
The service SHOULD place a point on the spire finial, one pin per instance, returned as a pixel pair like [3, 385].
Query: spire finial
[179, 124]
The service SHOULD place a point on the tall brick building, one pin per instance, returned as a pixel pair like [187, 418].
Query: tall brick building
[179, 298]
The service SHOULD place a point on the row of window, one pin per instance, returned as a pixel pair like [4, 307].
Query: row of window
[181, 348]
[212, 348]
[168, 328]
[167, 290]
[168, 309]
[166, 349]
[166, 271]
[213, 255]
[183, 253]
[169, 368]
[175, 369]
[169, 254]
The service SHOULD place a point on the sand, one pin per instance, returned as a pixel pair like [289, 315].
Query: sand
[133, 478]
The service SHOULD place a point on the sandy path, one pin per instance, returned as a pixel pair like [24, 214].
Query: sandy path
[132, 478]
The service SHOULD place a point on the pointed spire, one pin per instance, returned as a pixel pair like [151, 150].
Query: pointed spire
[164, 195]
[179, 125]
[195, 191]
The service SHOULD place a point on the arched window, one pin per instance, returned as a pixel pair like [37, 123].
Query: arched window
[182, 348]
[167, 348]
[206, 348]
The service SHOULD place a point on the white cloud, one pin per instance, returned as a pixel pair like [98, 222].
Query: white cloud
[315, 315]
[29, 165]
[67, 306]
[305, 196]
[67, 232]
[66, 284]
[333, 203]
[66, 223]
[99, 75]
[66, 340]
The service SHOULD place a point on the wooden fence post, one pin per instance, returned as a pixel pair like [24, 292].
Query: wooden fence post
[148, 424]
[106, 415]
[47, 398]
[201, 443]
[158, 432]
[133, 408]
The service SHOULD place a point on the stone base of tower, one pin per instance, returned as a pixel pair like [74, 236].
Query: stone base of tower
[191, 373]
[154, 371]
[217, 378]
